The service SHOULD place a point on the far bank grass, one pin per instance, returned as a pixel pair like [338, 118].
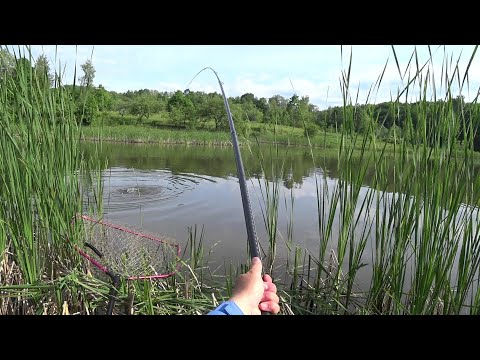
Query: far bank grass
[281, 135]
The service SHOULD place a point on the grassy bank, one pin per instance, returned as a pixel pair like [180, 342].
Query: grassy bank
[413, 232]
[271, 134]
[45, 181]
[129, 129]
[141, 134]
[328, 142]
[42, 182]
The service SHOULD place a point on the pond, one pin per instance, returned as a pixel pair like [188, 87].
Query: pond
[165, 189]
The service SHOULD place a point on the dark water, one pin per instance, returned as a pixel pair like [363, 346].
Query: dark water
[164, 190]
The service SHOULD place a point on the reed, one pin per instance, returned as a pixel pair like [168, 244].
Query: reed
[414, 231]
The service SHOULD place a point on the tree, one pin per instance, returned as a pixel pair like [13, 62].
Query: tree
[42, 72]
[90, 103]
[276, 109]
[310, 129]
[103, 99]
[251, 112]
[23, 75]
[364, 122]
[300, 110]
[181, 109]
[143, 106]
[305, 111]
[292, 109]
[261, 105]
[214, 108]
[247, 98]
[88, 73]
[7, 63]
[240, 120]
[198, 98]
[123, 105]
[86, 108]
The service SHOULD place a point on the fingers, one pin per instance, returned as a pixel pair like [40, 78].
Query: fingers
[270, 300]
[267, 278]
[256, 267]
[268, 284]
[270, 296]
[269, 306]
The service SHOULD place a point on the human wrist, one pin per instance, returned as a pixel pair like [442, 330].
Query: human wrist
[242, 304]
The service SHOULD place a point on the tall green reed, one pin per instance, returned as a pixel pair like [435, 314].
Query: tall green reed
[409, 243]
[41, 166]
[421, 227]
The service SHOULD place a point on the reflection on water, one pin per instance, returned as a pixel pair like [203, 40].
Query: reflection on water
[166, 189]
[128, 189]
[203, 160]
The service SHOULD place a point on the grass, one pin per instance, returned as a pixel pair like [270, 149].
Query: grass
[141, 134]
[420, 238]
[262, 133]
[414, 230]
[284, 136]
[41, 185]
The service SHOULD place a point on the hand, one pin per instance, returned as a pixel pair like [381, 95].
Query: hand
[254, 295]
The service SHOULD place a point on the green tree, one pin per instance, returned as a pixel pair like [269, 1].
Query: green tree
[142, 106]
[42, 72]
[181, 110]
[86, 103]
[103, 98]
[7, 63]
[305, 111]
[277, 107]
[262, 105]
[247, 98]
[240, 118]
[364, 123]
[122, 104]
[86, 107]
[88, 73]
[310, 129]
[292, 110]
[214, 108]
[251, 112]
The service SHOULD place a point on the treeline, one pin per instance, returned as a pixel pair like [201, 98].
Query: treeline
[23, 74]
[391, 121]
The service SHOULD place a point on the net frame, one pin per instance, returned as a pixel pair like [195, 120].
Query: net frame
[108, 269]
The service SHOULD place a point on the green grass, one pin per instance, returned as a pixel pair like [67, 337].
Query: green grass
[411, 228]
[41, 186]
[156, 129]
[144, 134]
[139, 134]
[269, 134]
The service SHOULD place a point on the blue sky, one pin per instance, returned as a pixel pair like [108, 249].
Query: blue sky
[264, 70]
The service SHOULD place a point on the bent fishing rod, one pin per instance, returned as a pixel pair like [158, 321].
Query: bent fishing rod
[247, 210]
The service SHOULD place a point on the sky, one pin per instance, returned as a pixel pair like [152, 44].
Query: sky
[267, 70]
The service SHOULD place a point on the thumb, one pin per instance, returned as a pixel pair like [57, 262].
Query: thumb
[256, 266]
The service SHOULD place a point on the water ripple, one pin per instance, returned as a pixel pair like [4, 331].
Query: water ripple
[130, 188]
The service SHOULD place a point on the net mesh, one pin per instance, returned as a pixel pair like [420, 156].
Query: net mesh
[128, 252]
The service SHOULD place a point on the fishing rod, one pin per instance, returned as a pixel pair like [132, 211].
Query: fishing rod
[247, 210]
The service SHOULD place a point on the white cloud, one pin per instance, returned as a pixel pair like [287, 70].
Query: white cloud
[108, 61]
[167, 86]
[262, 70]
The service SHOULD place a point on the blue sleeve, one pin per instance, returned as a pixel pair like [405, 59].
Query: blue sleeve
[227, 308]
